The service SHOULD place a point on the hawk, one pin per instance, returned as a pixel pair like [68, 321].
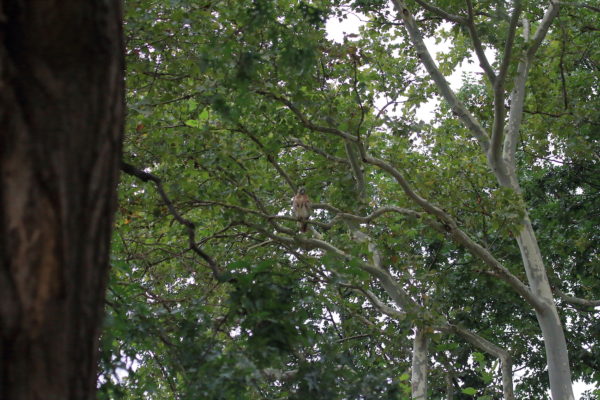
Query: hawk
[301, 208]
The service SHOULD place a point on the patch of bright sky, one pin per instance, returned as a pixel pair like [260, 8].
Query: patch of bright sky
[336, 30]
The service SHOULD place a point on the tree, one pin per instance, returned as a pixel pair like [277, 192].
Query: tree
[424, 243]
[61, 123]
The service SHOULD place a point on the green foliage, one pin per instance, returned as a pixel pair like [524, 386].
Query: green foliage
[290, 320]
[272, 310]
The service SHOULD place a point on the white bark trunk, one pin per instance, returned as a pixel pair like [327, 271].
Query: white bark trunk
[420, 365]
[552, 330]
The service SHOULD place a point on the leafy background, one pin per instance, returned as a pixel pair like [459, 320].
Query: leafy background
[283, 321]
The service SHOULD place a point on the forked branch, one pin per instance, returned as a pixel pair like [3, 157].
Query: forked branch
[189, 225]
[444, 88]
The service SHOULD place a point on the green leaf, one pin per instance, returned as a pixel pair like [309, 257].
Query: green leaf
[469, 391]
[203, 115]
[193, 123]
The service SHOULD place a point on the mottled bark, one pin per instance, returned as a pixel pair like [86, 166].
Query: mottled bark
[61, 122]
[500, 150]
[420, 365]
[557, 355]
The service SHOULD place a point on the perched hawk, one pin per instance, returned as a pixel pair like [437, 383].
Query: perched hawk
[301, 208]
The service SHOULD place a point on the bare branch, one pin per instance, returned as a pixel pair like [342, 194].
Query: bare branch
[444, 88]
[190, 226]
[518, 93]
[361, 336]
[279, 375]
[483, 61]
[490, 348]
[576, 301]
[380, 305]
[542, 29]
[495, 153]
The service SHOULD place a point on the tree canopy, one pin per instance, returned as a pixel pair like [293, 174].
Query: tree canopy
[451, 256]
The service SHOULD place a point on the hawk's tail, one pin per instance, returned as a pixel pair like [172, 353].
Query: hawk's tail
[303, 226]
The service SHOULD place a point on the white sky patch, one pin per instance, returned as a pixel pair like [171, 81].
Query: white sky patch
[336, 30]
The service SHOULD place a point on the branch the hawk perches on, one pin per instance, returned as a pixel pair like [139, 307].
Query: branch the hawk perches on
[301, 208]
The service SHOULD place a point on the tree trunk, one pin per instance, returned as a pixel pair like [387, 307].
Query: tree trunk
[552, 330]
[61, 122]
[420, 365]
[449, 386]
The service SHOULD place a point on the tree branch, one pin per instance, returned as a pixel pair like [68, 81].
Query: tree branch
[495, 153]
[361, 336]
[490, 348]
[420, 364]
[576, 301]
[441, 13]
[190, 226]
[542, 29]
[449, 226]
[314, 149]
[483, 61]
[305, 120]
[356, 169]
[381, 306]
[518, 94]
[367, 218]
[444, 88]
[270, 158]
[395, 291]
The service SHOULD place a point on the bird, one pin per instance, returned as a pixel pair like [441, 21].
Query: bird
[301, 208]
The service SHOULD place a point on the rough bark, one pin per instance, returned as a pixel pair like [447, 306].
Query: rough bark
[61, 122]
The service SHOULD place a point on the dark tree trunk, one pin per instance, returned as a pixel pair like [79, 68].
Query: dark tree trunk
[61, 121]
